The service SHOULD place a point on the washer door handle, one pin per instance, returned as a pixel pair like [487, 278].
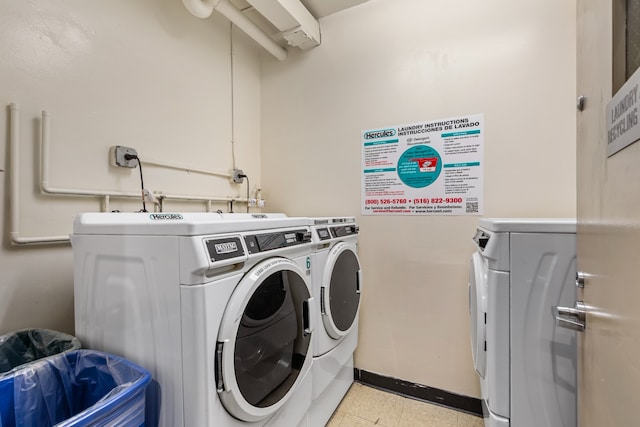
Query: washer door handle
[308, 315]
[571, 317]
[358, 281]
[218, 370]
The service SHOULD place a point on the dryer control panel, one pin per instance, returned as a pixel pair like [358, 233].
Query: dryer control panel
[281, 239]
[344, 230]
[336, 232]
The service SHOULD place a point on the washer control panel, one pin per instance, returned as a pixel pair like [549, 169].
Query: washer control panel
[269, 241]
[344, 230]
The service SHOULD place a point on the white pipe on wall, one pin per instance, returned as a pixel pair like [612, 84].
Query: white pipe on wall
[47, 188]
[44, 173]
[14, 188]
[204, 9]
[44, 170]
[185, 168]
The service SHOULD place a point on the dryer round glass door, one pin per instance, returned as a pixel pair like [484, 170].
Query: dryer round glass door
[263, 344]
[340, 290]
[478, 295]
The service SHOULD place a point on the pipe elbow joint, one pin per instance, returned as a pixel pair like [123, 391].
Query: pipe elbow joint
[201, 8]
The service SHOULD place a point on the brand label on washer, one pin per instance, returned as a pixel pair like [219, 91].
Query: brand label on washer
[224, 248]
[165, 216]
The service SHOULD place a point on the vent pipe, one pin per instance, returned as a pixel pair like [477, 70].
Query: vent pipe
[204, 9]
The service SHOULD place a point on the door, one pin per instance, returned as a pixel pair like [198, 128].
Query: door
[478, 313]
[608, 194]
[340, 290]
[263, 352]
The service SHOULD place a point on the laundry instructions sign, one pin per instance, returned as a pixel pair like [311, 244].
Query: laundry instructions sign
[427, 168]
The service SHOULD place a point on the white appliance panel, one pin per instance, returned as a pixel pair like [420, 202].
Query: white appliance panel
[529, 225]
[127, 309]
[530, 375]
[498, 343]
[478, 312]
[543, 356]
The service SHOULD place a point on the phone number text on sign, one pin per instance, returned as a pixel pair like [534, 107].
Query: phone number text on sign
[418, 201]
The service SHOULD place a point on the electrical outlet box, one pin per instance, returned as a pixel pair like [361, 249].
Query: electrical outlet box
[235, 176]
[118, 159]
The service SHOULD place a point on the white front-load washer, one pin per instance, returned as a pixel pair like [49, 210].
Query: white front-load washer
[520, 271]
[336, 281]
[217, 307]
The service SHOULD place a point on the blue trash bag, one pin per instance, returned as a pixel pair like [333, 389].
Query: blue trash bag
[76, 388]
[27, 345]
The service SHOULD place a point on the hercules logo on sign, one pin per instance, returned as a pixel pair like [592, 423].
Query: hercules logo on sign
[383, 133]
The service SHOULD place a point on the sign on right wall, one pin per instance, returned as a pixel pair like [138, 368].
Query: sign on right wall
[425, 168]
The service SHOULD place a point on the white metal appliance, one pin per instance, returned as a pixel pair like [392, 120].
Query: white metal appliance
[336, 282]
[521, 270]
[217, 307]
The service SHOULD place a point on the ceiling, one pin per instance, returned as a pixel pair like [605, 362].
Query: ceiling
[317, 8]
[320, 8]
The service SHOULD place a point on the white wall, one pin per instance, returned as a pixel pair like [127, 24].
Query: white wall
[144, 74]
[388, 62]
[147, 74]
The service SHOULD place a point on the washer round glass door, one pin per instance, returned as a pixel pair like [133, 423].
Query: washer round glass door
[478, 311]
[340, 290]
[263, 343]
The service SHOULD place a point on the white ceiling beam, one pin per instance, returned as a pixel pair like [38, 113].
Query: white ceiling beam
[298, 26]
[204, 9]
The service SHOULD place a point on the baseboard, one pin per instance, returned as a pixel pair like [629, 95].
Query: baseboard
[470, 405]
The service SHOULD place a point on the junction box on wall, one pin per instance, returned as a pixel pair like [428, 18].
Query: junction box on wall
[237, 176]
[119, 159]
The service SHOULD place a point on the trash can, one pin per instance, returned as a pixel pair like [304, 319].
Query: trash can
[75, 388]
[27, 345]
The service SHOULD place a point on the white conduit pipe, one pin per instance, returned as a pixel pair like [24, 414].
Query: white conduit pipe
[44, 173]
[204, 9]
[44, 170]
[200, 198]
[46, 188]
[14, 189]
[185, 168]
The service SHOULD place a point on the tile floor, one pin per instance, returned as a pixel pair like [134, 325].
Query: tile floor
[365, 406]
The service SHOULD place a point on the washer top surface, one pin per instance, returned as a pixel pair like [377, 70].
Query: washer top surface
[179, 224]
[529, 225]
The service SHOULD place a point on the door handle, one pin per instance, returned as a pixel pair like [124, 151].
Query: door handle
[580, 278]
[571, 317]
[308, 316]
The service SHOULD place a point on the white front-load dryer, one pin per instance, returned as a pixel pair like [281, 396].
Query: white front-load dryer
[336, 281]
[521, 270]
[218, 308]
